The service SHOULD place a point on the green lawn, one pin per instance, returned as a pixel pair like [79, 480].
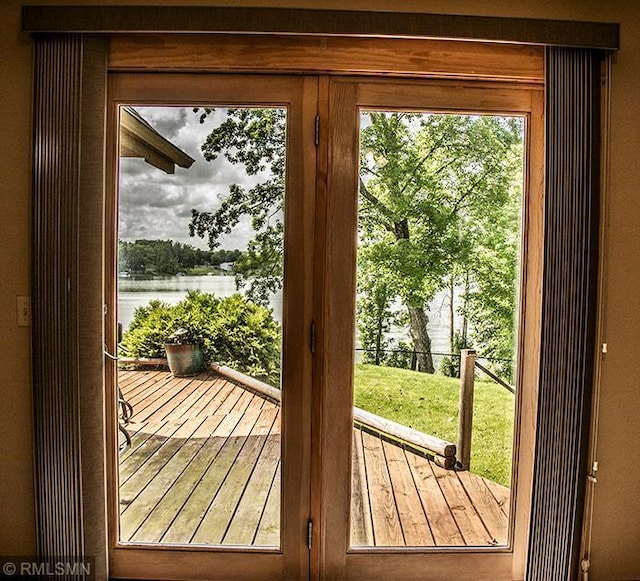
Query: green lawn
[429, 403]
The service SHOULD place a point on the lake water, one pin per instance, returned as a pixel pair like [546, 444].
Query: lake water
[137, 293]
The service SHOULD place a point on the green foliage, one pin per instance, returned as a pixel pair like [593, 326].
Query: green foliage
[259, 271]
[429, 404]
[256, 139]
[400, 355]
[187, 335]
[148, 331]
[245, 336]
[233, 331]
[374, 314]
[421, 176]
[450, 366]
[430, 186]
[491, 302]
[437, 192]
[374, 317]
[168, 258]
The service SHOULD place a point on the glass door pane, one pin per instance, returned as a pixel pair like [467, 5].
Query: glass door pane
[437, 285]
[200, 302]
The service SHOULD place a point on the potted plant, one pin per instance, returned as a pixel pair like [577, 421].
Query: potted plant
[185, 354]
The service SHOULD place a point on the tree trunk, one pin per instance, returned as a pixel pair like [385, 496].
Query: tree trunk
[464, 311]
[421, 341]
[451, 313]
[378, 339]
[417, 317]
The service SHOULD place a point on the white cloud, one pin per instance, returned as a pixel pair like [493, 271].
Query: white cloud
[156, 205]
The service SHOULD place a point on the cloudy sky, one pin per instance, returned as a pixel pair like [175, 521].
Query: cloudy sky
[156, 205]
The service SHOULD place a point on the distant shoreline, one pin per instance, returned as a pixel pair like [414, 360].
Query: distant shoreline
[125, 277]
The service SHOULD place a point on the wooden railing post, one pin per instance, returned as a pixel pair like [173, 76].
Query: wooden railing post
[465, 415]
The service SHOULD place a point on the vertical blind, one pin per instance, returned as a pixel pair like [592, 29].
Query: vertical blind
[569, 310]
[68, 399]
[58, 62]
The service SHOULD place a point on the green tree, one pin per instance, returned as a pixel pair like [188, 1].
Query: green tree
[377, 311]
[374, 314]
[491, 296]
[256, 139]
[423, 178]
[167, 258]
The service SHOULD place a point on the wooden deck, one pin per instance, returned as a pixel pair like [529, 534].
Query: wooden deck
[204, 467]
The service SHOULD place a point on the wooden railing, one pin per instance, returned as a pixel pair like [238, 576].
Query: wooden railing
[468, 365]
[446, 454]
[440, 451]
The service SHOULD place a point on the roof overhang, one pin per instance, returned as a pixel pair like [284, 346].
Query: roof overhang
[139, 139]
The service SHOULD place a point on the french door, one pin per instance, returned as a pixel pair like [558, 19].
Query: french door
[324, 477]
[374, 479]
[212, 445]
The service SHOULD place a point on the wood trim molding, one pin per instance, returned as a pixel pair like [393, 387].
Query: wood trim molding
[113, 19]
[236, 53]
[139, 139]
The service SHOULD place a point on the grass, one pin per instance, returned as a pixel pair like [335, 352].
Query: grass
[429, 404]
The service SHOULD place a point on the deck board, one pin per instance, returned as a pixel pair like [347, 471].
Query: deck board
[444, 529]
[243, 416]
[493, 518]
[361, 525]
[244, 525]
[462, 508]
[141, 508]
[215, 522]
[147, 390]
[387, 531]
[204, 468]
[501, 494]
[413, 520]
[268, 533]
[170, 506]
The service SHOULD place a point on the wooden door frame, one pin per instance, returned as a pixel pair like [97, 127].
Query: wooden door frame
[494, 71]
[298, 94]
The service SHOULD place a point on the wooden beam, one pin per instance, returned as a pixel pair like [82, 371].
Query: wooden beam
[114, 19]
[139, 139]
[256, 385]
[431, 443]
[360, 416]
[244, 53]
[465, 414]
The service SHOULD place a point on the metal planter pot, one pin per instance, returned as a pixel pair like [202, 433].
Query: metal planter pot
[184, 360]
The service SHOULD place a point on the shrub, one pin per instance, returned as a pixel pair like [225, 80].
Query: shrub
[149, 330]
[450, 366]
[400, 355]
[232, 331]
